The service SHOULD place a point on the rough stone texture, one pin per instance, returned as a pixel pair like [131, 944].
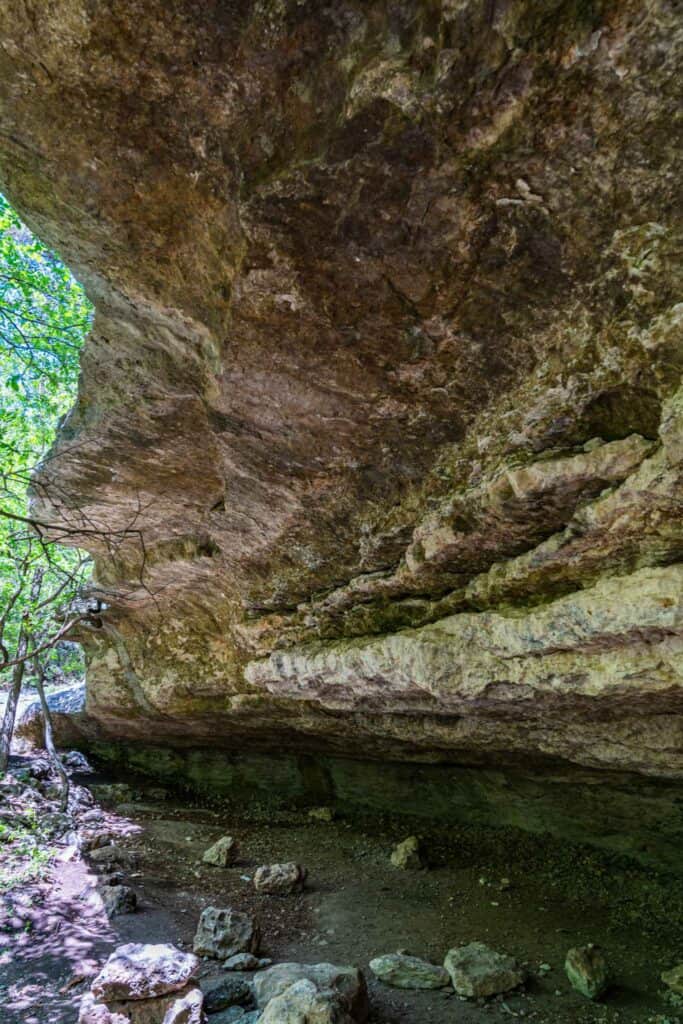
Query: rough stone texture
[406, 855]
[347, 982]
[188, 1009]
[280, 879]
[404, 971]
[222, 853]
[223, 991]
[304, 1003]
[184, 1007]
[69, 721]
[119, 899]
[382, 394]
[140, 971]
[224, 932]
[478, 971]
[587, 970]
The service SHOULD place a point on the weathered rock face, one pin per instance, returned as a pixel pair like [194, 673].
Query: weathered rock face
[381, 408]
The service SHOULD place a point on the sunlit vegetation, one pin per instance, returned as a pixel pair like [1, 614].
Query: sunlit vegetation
[44, 317]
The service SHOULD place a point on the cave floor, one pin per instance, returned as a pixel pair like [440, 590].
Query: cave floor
[357, 906]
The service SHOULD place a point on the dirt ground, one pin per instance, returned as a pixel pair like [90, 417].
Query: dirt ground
[357, 906]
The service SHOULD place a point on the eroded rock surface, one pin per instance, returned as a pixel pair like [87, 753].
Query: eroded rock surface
[381, 412]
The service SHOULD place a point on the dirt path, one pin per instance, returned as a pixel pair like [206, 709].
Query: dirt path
[356, 907]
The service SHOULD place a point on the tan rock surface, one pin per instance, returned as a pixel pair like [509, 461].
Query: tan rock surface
[382, 399]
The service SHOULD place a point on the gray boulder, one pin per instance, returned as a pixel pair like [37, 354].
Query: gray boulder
[222, 933]
[242, 962]
[119, 899]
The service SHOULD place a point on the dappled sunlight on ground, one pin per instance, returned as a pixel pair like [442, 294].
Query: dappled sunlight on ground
[55, 934]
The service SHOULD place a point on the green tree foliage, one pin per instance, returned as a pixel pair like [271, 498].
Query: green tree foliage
[44, 317]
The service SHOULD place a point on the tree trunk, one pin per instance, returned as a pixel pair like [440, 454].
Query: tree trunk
[49, 737]
[7, 729]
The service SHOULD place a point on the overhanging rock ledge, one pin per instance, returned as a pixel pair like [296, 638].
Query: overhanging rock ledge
[382, 402]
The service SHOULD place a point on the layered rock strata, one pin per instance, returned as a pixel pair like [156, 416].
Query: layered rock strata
[379, 437]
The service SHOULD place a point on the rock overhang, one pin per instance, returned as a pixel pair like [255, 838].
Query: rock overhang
[382, 396]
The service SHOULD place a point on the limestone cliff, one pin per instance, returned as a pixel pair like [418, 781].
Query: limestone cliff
[381, 412]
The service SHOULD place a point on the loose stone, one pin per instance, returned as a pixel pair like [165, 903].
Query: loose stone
[119, 899]
[242, 962]
[223, 853]
[108, 856]
[280, 879]
[222, 933]
[587, 971]
[478, 971]
[406, 855]
[403, 971]
[325, 814]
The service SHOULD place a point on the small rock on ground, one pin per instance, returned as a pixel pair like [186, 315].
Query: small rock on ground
[119, 899]
[222, 933]
[478, 971]
[325, 814]
[587, 970]
[280, 879]
[303, 1001]
[243, 962]
[406, 855]
[402, 971]
[223, 853]
[106, 856]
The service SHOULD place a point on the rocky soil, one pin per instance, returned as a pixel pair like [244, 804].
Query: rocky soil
[531, 899]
